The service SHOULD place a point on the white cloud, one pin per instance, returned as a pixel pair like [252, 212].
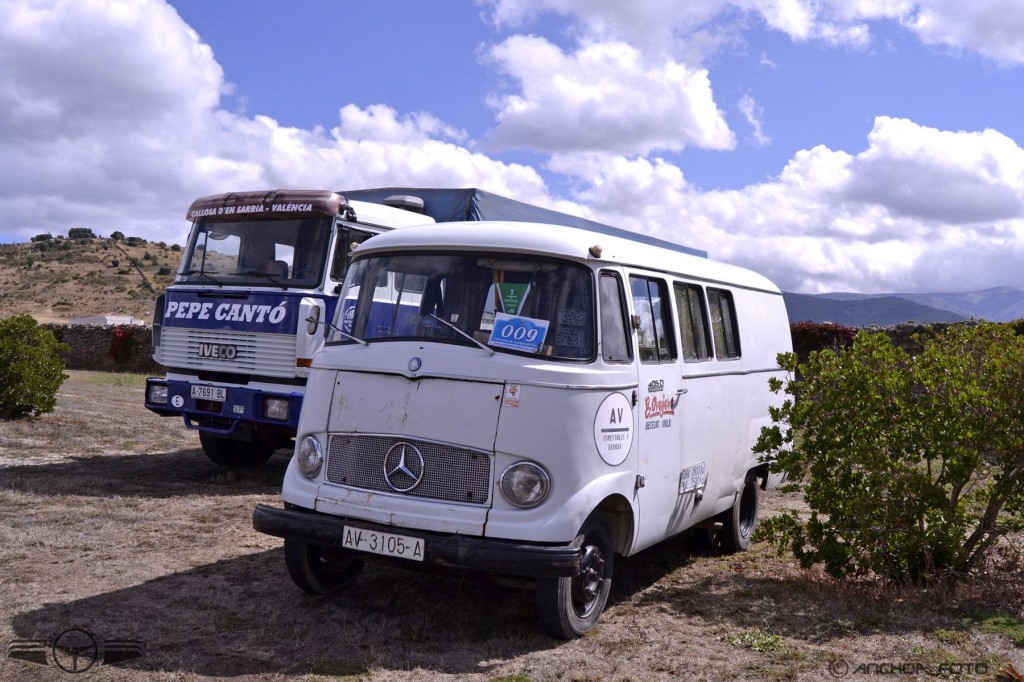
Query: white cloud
[753, 113]
[112, 121]
[994, 28]
[602, 97]
[891, 218]
[933, 175]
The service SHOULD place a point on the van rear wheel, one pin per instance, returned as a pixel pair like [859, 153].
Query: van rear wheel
[739, 523]
[320, 570]
[569, 607]
[236, 453]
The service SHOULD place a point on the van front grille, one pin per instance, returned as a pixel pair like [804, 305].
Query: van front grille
[449, 473]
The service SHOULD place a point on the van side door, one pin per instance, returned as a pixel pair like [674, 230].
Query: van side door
[659, 461]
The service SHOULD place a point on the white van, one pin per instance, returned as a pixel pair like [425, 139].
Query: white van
[529, 400]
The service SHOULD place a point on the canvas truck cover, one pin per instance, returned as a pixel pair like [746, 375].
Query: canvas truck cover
[449, 205]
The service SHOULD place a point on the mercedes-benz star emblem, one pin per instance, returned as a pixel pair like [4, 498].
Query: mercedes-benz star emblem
[403, 467]
[415, 364]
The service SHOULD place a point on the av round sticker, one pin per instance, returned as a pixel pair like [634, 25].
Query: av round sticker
[613, 429]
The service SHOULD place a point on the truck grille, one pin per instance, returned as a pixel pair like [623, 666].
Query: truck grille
[450, 473]
[270, 355]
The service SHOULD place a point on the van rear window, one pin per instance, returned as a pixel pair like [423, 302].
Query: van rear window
[723, 324]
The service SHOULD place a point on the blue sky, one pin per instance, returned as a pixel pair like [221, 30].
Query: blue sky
[833, 145]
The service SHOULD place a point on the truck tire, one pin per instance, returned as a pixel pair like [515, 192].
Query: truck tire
[739, 523]
[320, 570]
[236, 453]
[569, 607]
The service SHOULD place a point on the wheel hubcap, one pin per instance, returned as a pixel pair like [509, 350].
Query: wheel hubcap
[587, 585]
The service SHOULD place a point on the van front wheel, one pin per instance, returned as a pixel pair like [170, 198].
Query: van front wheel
[320, 570]
[569, 607]
[739, 523]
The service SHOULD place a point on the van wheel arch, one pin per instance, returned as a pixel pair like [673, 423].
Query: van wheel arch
[619, 517]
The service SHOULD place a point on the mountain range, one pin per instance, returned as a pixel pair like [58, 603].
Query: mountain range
[1000, 304]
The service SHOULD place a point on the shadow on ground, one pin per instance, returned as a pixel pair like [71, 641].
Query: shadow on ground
[161, 475]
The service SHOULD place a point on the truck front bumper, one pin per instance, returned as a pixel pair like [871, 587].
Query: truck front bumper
[456, 552]
[240, 406]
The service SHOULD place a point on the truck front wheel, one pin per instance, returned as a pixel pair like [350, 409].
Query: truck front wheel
[569, 607]
[320, 570]
[236, 453]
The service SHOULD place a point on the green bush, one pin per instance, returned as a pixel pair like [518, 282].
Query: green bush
[912, 467]
[31, 368]
[81, 233]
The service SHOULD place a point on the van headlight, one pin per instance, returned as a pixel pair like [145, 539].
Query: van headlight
[310, 457]
[525, 484]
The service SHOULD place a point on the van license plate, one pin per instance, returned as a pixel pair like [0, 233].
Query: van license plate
[218, 393]
[691, 478]
[388, 544]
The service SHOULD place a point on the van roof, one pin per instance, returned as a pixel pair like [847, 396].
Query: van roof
[560, 241]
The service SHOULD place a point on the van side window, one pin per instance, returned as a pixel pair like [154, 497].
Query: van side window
[650, 303]
[693, 325]
[615, 345]
[723, 324]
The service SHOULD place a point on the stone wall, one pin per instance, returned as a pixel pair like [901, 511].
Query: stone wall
[122, 348]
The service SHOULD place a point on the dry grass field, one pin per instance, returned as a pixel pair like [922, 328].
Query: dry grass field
[113, 521]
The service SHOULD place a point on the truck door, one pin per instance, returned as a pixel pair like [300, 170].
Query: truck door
[660, 387]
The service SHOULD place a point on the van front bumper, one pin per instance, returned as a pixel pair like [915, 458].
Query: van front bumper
[440, 550]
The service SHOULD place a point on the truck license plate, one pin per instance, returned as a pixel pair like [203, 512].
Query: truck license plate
[691, 478]
[388, 544]
[210, 393]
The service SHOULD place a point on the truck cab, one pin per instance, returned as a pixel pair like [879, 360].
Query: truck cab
[238, 329]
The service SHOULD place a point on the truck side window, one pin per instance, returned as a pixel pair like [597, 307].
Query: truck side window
[650, 299]
[347, 241]
[615, 345]
[693, 325]
[723, 324]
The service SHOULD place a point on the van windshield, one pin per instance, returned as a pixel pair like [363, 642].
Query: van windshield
[518, 304]
[259, 253]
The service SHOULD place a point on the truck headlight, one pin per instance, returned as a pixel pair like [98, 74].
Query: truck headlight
[310, 457]
[157, 394]
[275, 408]
[525, 484]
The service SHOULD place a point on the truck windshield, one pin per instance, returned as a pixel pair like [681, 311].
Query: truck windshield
[259, 253]
[517, 304]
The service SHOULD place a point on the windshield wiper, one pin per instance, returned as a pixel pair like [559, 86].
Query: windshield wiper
[266, 275]
[189, 273]
[490, 351]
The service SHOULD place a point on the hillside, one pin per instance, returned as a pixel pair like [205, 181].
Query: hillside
[62, 279]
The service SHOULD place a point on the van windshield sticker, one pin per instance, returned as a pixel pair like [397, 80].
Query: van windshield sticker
[518, 333]
[512, 296]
